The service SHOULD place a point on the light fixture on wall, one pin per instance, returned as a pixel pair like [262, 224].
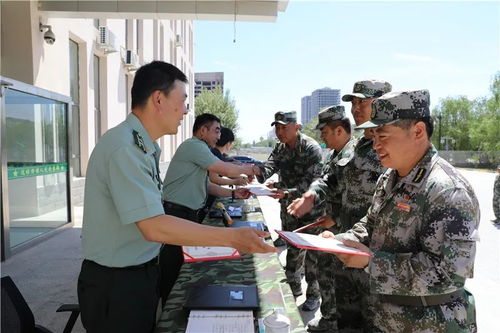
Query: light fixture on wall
[48, 36]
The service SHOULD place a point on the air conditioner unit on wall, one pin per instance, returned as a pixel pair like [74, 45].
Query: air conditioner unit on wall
[106, 40]
[130, 60]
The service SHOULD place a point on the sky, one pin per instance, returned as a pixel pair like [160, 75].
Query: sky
[450, 48]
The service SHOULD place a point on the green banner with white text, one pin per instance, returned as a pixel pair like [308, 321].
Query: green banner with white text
[36, 170]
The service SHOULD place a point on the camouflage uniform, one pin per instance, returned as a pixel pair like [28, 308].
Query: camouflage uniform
[422, 230]
[496, 196]
[296, 167]
[352, 177]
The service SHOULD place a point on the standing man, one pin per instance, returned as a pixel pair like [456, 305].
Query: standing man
[353, 177]
[335, 130]
[123, 220]
[186, 187]
[297, 161]
[421, 227]
[496, 197]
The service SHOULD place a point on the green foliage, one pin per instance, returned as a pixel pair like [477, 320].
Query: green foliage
[309, 129]
[473, 124]
[219, 104]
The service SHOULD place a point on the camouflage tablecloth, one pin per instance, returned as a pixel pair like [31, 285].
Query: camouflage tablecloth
[264, 270]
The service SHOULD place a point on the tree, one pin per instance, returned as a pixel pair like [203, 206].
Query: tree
[485, 134]
[309, 129]
[472, 124]
[218, 104]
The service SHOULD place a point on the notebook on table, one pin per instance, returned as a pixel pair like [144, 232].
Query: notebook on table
[228, 297]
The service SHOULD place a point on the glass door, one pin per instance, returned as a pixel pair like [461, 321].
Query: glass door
[35, 147]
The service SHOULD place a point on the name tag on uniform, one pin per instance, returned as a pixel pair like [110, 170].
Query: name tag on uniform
[403, 206]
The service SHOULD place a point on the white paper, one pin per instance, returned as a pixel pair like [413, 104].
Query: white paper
[214, 321]
[259, 190]
[201, 253]
[318, 242]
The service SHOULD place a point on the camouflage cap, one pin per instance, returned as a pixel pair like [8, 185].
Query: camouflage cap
[398, 105]
[368, 89]
[284, 118]
[330, 113]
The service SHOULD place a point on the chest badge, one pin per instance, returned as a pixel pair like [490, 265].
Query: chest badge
[139, 141]
[403, 206]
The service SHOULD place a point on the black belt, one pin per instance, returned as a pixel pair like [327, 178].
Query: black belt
[423, 300]
[131, 268]
[171, 205]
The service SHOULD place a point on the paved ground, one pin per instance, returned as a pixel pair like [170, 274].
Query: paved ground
[46, 273]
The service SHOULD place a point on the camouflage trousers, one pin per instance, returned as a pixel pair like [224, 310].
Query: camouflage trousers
[454, 317]
[297, 261]
[353, 299]
[327, 264]
[496, 197]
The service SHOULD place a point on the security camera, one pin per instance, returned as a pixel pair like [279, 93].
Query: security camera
[48, 36]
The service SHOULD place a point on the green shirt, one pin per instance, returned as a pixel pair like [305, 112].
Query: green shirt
[122, 187]
[186, 179]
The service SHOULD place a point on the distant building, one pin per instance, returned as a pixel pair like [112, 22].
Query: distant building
[311, 105]
[305, 109]
[208, 81]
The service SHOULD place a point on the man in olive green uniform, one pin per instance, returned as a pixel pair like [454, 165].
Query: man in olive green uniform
[353, 177]
[297, 161]
[421, 227]
[123, 220]
[186, 188]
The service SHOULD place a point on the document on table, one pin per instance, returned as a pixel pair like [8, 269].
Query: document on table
[207, 253]
[259, 190]
[215, 321]
[318, 243]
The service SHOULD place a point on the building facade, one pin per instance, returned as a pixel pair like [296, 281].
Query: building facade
[208, 81]
[320, 98]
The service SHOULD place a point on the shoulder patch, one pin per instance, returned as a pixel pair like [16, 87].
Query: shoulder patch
[420, 175]
[139, 141]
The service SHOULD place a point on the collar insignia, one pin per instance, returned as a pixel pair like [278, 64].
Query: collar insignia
[139, 141]
[419, 176]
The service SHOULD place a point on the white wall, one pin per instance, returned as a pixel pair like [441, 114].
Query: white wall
[51, 68]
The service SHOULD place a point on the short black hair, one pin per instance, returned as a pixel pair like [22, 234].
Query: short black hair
[226, 135]
[203, 120]
[428, 121]
[157, 75]
[345, 123]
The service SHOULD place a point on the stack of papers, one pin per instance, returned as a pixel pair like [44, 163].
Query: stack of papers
[214, 321]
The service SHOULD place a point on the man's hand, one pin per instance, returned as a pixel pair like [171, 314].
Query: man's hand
[301, 206]
[326, 221]
[278, 194]
[352, 260]
[242, 193]
[248, 240]
[269, 184]
[241, 180]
